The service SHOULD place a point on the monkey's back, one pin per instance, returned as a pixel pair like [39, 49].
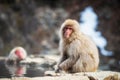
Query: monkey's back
[88, 54]
[88, 46]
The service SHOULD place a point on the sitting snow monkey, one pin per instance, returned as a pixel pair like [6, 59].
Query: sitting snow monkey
[78, 52]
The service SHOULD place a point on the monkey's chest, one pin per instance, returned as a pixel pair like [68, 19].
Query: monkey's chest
[66, 51]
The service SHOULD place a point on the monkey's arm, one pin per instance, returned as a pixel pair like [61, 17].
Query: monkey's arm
[73, 54]
[62, 52]
[63, 58]
[68, 63]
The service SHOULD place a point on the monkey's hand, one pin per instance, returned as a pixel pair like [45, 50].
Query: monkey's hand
[58, 69]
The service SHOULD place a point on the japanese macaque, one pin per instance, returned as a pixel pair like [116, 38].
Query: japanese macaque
[16, 55]
[78, 52]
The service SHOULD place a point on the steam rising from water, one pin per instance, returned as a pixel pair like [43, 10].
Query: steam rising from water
[88, 26]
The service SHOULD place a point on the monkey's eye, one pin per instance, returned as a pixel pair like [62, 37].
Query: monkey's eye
[67, 28]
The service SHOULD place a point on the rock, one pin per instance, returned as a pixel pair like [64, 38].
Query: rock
[51, 73]
[33, 60]
[49, 59]
[69, 77]
[112, 77]
[102, 75]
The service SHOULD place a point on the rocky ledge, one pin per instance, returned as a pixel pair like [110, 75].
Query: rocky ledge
[101, 75]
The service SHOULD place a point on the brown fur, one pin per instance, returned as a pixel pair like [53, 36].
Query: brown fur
[78, 52]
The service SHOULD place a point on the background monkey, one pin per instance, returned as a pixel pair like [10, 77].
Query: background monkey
[16, 55]
[78, 52]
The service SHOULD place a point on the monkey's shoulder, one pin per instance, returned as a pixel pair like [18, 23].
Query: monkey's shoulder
[75, 42]
[84, 42]
[85, 39]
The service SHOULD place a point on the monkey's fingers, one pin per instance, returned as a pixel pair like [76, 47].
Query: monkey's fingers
[57, 71]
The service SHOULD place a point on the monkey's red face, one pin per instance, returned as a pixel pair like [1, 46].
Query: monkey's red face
[67, 31]
[19, 54]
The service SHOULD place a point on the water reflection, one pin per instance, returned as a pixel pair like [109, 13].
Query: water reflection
[16, 70]
[35, 70]
[26, 70]
[4, 73]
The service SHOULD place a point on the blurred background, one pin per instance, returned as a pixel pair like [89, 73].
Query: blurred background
[34, 25]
